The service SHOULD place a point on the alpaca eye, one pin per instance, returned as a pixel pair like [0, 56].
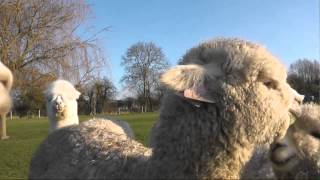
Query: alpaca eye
[48, 98]
[4, 83]
[270, 84]
[315, 135]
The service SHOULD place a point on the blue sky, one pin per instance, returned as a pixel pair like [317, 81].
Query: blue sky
[288, 28]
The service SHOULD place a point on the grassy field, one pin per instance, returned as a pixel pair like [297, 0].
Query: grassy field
[26, 135]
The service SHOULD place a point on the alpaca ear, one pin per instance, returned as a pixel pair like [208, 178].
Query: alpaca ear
[77, 94]
[188, 81]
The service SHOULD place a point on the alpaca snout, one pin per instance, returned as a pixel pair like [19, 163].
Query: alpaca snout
[58, 103]
[282, 152]
[280, 156]
[295, 107]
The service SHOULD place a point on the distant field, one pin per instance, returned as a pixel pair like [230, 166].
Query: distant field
[26, 135]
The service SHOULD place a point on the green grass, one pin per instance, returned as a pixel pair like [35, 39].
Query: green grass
[141, 124]
[27, 134]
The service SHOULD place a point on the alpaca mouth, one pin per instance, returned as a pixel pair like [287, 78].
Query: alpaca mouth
[282, 162]
[276, 158]
[59, 108]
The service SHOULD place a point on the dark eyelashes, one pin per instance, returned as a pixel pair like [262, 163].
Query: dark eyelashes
[315, 134]
[270, 84]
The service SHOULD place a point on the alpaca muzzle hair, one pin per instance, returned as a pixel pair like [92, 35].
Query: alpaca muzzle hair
[58, 103]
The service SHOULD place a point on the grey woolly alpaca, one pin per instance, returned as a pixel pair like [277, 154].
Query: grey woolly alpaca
[85, 151]
[225, 96]
[259, 166]
[296, 156]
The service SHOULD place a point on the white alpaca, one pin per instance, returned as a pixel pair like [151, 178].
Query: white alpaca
[61, 102]
[6, 80]
[62, 109]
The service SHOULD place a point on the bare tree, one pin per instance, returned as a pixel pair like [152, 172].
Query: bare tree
[39, 43]
[304, 76]
[307, 69]
[105, 91]
[143, 64]
[37, 37]
[99, 92]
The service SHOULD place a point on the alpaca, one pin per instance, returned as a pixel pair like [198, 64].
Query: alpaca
[6, 80]
[61, 102]
[259, 166]
[62, 108]
[297, 156]
[226, 96]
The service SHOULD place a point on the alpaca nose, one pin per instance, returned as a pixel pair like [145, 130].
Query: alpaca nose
[58, 102]
[275, 146]
[279, 153]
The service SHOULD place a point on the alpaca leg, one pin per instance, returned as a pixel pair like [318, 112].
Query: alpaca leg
[3, 127]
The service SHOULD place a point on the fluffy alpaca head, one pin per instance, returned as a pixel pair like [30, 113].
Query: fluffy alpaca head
[6, 80]
[247, 84]
[226, 96]
[61, 101]
[297, 155]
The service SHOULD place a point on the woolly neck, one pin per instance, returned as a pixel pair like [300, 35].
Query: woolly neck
[185, 149]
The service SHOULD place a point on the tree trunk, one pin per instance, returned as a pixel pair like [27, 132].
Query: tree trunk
[149, 103]
[144, 97]
[3, 127]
